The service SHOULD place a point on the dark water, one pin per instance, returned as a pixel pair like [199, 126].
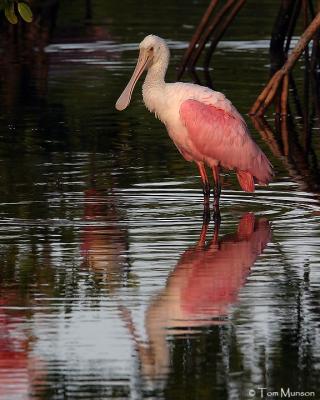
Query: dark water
[108, 288]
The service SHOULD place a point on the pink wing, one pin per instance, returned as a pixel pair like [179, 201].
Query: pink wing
[223, 136]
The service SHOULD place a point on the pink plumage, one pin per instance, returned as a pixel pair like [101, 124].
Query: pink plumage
[222, 137]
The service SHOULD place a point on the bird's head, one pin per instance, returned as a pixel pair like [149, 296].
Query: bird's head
[153, 50]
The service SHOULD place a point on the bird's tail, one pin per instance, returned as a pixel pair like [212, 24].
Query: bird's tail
[246, 181]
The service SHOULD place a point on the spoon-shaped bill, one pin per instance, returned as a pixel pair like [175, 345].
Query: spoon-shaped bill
[125, 97]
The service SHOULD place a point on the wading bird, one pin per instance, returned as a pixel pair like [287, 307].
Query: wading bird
[203, 124]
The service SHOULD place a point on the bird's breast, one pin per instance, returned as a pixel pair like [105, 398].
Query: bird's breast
[153, 99]
[165, 101]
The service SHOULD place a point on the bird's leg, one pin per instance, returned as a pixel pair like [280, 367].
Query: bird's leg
[206, 191]
[205, 180]
[216, 191]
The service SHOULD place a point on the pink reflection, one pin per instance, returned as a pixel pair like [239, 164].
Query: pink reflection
[19, 371]
[208, 278]
[199, 292]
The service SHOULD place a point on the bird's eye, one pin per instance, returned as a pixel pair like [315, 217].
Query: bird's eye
[151, 49]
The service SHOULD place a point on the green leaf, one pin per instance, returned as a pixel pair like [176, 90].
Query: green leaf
[25, 12]
[10, 14]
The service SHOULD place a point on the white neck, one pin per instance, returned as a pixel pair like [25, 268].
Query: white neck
[154, 84]
[157, 70]
[156, 74]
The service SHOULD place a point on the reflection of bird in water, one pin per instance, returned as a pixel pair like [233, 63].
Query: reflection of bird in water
[203, 124]
[20, 372]
[104, 240]
[200, 290]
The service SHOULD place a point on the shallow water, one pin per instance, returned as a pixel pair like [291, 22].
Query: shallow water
[108, 288]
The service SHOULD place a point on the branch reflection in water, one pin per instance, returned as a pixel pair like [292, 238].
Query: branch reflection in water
[200, 291]
[104, 240]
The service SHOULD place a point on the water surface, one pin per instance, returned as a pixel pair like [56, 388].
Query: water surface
[109, 285]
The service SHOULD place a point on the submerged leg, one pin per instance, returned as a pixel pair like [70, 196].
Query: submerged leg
[206, 191]
[216, 190]
[215, 238]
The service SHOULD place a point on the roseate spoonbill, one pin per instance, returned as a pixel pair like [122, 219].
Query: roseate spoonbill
[203, 124]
